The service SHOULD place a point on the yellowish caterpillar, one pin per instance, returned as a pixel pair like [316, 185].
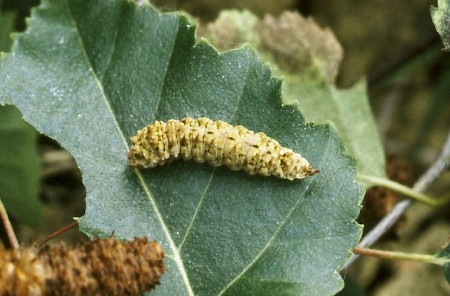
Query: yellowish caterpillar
[217, 143]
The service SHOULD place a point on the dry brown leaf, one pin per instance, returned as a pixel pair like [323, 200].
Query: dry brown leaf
[298, 43]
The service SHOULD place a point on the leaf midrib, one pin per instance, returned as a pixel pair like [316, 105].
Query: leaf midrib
[275, 233]
[170, 241]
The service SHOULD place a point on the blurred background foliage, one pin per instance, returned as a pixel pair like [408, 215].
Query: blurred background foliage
[391, 44]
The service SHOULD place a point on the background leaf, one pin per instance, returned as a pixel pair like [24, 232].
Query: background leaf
[6, 27]
[308, 58]
[90, 73]
[348, 110]
[441, 20]
[19, 167]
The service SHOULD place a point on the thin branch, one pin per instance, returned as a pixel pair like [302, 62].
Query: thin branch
[8, 227]
[56, 233]
[390, 219]
[56, 162]
[389, 107]
[401, 256]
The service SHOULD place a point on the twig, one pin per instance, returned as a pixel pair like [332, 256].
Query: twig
[56, 162]
[390, 105]
[56, 233]
[389, 220]
[8, 227]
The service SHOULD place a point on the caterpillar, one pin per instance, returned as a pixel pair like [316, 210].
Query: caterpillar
[217, 143]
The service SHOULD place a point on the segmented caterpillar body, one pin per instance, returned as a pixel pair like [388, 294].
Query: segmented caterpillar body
[217, 143]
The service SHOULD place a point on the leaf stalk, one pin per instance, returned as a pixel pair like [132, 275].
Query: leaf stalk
[8, 227]
[420, 197]
[401, 256]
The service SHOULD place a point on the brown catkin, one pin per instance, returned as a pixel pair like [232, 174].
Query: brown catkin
[100, 267]
[217, 143]
[21, 272]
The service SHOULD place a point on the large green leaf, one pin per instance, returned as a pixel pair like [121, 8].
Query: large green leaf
[90, 73]
[441, 20]
[19, 167]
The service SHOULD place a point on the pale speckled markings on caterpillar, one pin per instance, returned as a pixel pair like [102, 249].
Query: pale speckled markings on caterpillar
[217, 143]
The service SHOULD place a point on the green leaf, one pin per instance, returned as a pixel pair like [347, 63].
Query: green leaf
[441, 20]
[91, 73]
[19, 167]
[6, 28]
[308, 58]
[348, 110]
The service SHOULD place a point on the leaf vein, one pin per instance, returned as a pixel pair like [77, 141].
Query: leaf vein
[271, 239]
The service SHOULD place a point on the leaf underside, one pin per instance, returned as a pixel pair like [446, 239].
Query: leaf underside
[441, 20]
[91, 73]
